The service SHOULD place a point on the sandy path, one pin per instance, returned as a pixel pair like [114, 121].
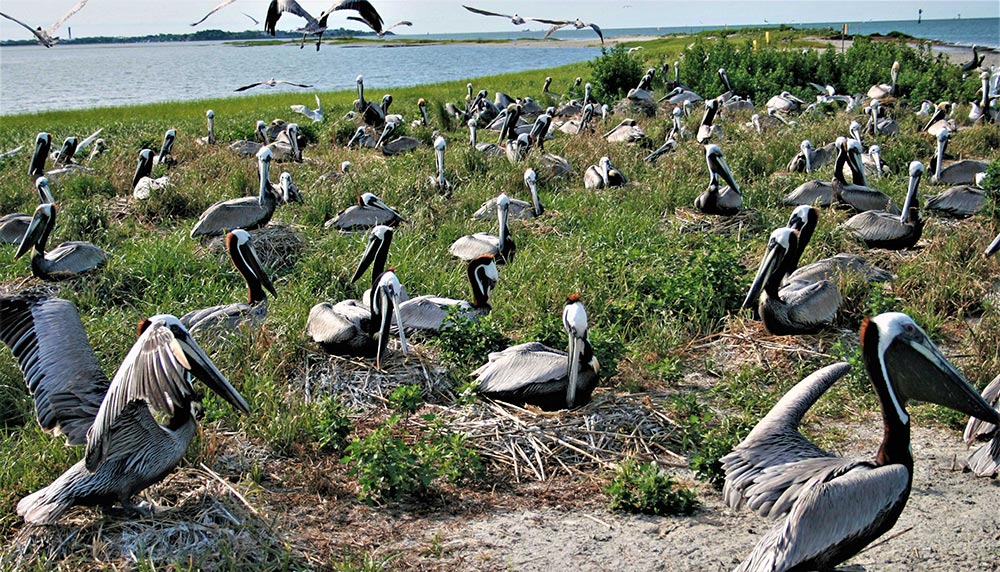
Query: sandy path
[952, 517]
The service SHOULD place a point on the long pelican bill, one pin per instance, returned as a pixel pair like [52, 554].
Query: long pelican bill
[376, 239]
[503, 214]
[203, 368]
[144, 167]
[42, 144]
[778, 247]
[916, 172]
[993, 247]
[439, 159]
[388, 292]
[36, 229]
[264, 166]
[248, 257]
[723, 170]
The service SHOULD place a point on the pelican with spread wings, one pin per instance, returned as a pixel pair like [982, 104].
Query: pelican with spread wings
[317, 26]
[578, 24]
[45, 37]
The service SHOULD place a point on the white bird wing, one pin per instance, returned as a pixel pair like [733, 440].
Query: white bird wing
[218, 7]
[520, 365]
[86, 142]
[876, 225]
[255, 20]
[427, 312]
[66, 16]
[474, 245]
[11, 153]
[337, 323]
[40, 37]
[829, 514]
[484, 12]
[553, 28]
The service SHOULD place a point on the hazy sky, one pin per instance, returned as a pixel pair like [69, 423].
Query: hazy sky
[141, 17]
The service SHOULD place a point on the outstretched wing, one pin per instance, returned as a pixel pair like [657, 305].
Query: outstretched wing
[86, 142]
[553, 28]
[290, 83]
[278, 7]
[255, 20]
[246, 87]
[598, 30]
[66, 16]
[368, 12]
[484, 12]
[220, 6]
[27, 27]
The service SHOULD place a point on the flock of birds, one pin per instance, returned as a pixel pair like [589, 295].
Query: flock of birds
[828, 508]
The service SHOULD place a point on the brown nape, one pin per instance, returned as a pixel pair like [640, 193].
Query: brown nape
[864, 327]
[143, 324]
[573, 298]
[360, 202]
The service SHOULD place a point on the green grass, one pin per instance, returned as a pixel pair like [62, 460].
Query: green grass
[655, 285]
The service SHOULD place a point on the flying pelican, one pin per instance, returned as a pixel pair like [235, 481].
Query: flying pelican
[957, 172]
[229, 317]
[784, 102]
[317, 26]
[795, 307]
[127, 448]
[960, 201]
[250, 148]
[210, 138]
[68, 260]
[518, 209]
[248, 213]
[809, 158]
[350, 327]
[603, 175]
[143, 184]
[578, 24]
[431, 312]
[439, 181]
[541, 376]
[385, 30]
[45, 37]
[218, 7]
[270, 83]
[727, 200]
[515, 19]
[499, 246]
[985, 460]
[804, 220]
[370, 211]
[315, 114]
[833, 507]
[884, 90]
[881, 229]
[491, 149]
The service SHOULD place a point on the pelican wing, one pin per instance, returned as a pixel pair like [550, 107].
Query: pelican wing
[397, 24]
[835, 267]
[553, 28]
[475, 245]
[245, 213]
[66, 16]
[876, 226]
[278, 7]
[72, 258]
[811, 302]
[60, 368]
[292, 83]
[246, 87]
[484, 12]
[985, 461]
[361, 218]
[523, 366]
[86, 142]
[818, 193]
[598, 31]
[369, 14]
[518, 209]
[227, 316]
[339, 323]
[428, 312]
[776, 439]
[977, 428]
[40, 37]
[255, 20]
[218, 7]
[830, 514]
[961, 201]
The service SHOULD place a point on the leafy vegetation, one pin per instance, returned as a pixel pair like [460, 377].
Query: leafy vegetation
[643, 488]
[615, 72]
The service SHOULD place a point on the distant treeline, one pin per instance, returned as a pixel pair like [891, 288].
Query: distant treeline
[200, 36]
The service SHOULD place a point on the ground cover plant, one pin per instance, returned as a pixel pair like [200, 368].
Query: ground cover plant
[662, 287]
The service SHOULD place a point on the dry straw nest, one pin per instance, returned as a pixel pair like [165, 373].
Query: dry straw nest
[278, 246]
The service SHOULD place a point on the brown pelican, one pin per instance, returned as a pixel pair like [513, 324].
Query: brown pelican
[45, 37]
[580, 124]
[960, 201]
[375, 255]
[14, 226]
[165, 157]
[884, 90]
[247, 213]
[68, 260]
[833, 507]
[228, 318]
[669, 145]
[361, 138]
[381, 33]
[127, 448]
[518, 209]
[603, 175]
[491, 149]
[975, 62]
[422, 108]
[785, 103]
[286, 146]
[350, 327]
[773, 119]
[679, 95]
[431, 312]
[821, 193]
[370, 211]
[317, 26]
[797, 306]
[210, 138]
[727, 200]
[43, 142]
[881, 229]
[810, 158]
[578, 24]
[500, 246]
[143, 184]
[517, 149]
[397, 145]
[985, 460]
[250, 148]
[315, 114]
[803, 220]
[372, 114]
[541, 376]
[858, 196]
[940, 120]
[555, 165]
[957, 172]
[880, 125]
[439, 181]
[628, 131]
[270, 83]
[981, 111]
[706, 130]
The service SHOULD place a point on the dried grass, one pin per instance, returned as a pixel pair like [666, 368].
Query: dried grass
[278, 246]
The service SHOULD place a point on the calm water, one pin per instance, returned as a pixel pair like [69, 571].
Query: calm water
[77, 77]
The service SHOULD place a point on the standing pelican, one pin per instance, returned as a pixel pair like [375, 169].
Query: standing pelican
[68, 260]
[228, 318]
[317, 26]
[885, 90]
[500, 246]
[518, 209]
[957, 172]
[882, 229]
[725, 201]
[603, 175]
[45, 37]
[210, 138]
[960, 201]
[370, 211]
[985, 460]
[439, 181]
[14, 226]
[833, 507]
[248, 213]
[143, 184]
[431, 312]
[127, 448]
[535, 374]
[350, 327]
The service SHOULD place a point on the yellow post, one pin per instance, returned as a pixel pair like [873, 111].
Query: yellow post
[767, 37]
[755, 45]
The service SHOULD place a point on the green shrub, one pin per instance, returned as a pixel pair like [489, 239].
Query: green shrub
[466, 344]
[614, 73]
[715, 444]
[406, 398]
[332, 424]
[642, 488]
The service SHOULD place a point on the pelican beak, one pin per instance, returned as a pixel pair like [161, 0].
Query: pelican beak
[389, 305]
[44, 192]
[439, 159]
[35, 230]
[378, 203]
[722, 169]
[203, 368]
[911, 196]
[37, 166]
[503, 216]
[264, 166]
[774, 256]
[67, 151]
[371, 250]
[144, 167]
[993, 247]
[575, 352]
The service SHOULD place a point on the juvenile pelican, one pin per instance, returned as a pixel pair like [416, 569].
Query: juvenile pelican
[143, 184]
[603, 175]
[14, 226]
[957, 172]
[439, 181]
[882, 229]
[68, 260]
[45, 37]
[228, 318]
[499, 246]
[248, 213]
[370, 211]
[431, 312]
[518, 209]
[536, 374]
[317, 26]
[127, 448]
[831, 507]
[727, 200]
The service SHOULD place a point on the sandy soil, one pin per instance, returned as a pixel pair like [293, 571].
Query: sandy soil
[950, 523]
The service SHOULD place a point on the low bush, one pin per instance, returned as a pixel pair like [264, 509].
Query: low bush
[643, 488]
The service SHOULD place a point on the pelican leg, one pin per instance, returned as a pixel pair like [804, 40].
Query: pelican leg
[303, 44]
[128, 510]
[319, 40]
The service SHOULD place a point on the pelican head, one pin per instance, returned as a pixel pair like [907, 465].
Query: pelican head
[45, 193]
[577, 81]
[372, 201]
[807, 150]
[65, 153]
[244, 258]
[717, 166]
[503, 213]
[264, 157]
[358, 134]
[530, 179]
[942, 143]
[855, 131]
[376, 251]
[43, 142]
[548, 82]
[289, 190]
[144, 168]
[911, 206]
[260, 129]
[894, 72]
[38, 231]
[577, 328]
[605, 169]
[385, 304]
[439, 146]
[781, 246]
[168, 143]
[875, 152]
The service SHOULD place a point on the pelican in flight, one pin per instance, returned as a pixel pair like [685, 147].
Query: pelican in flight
[518, 209]
[317, 26]
[350, 327]
[603, 175]
[127, 449]
[500, 246]
[270, 83]
[45, 37]
[957, 172]
[830, 507]
[68, 260]
[883, 229]
[228, 318]
[985, 460]
[536, 374]
[315, 114]
[431, 312]
[369, 212]
[727, 200]
[578, 24]
[143, 184]
[515, 19]
[384, 30]
[218, 7]
[14, 226]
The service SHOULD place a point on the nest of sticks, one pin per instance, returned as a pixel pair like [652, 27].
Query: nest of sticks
[278, 245]
[687, 220]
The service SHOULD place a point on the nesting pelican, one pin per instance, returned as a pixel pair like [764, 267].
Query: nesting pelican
[882, 229]
[143, 184]
[210, 138]
[249, 148]
[957, 172]
[431, 312]
[500, 246]
[68, 260]
[960, 201]
[603, 175]
[727, 200]
[518, 209]
[439, 181]
[14, 226]
[370, 211]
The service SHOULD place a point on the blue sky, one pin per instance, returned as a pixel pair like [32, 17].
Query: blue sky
[140, 17]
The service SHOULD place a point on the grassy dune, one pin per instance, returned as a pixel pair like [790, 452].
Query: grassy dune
[662, 285]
